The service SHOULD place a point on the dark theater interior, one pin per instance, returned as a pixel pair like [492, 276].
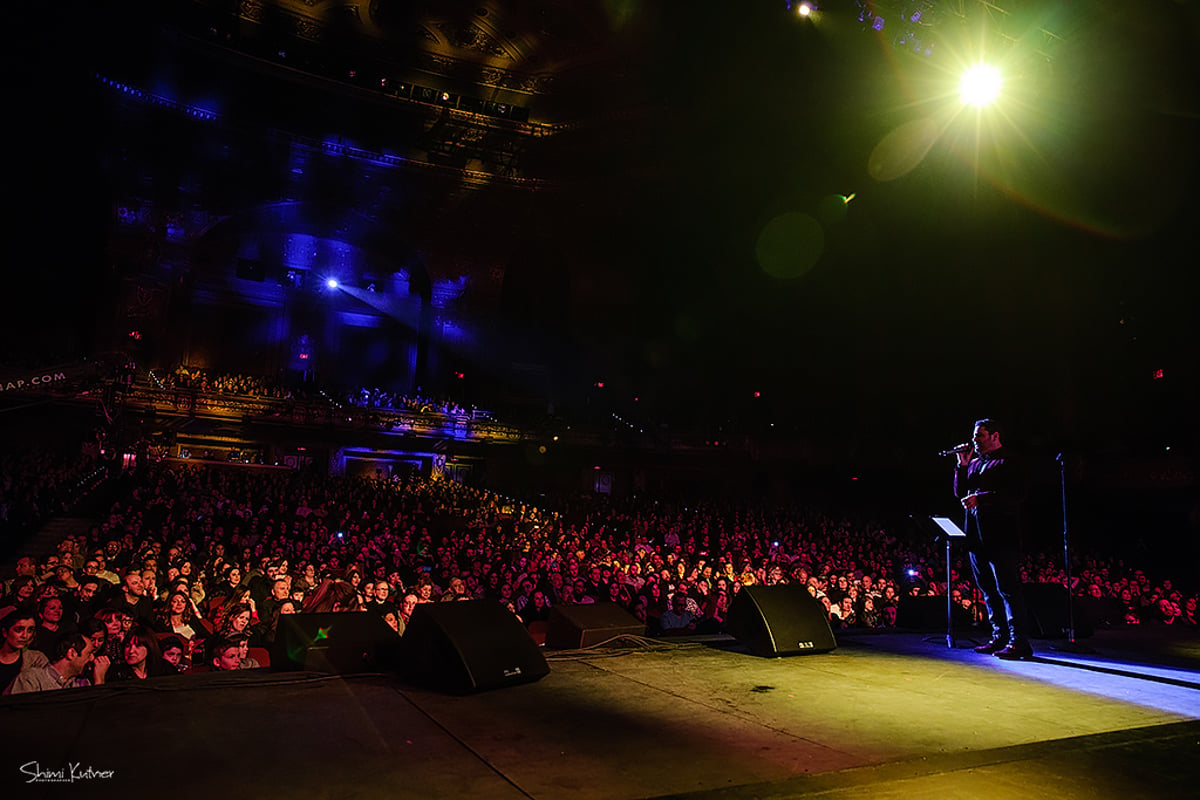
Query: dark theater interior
[603, 399]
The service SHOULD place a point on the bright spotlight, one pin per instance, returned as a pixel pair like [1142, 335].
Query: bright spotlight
[332, 283]
[805, 9]
[980, 85]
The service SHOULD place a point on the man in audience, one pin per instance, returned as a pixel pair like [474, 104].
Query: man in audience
[279, 593]
[677, 619]
[132, 596]
[71, 655]
[26, 566]
[380, 598]
[102, 571]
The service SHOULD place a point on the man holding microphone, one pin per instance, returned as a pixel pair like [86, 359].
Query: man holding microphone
[991, 484]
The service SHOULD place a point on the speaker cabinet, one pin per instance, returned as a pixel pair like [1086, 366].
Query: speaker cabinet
[574, 626]
[780, 620]
[338, 642]
[469, 646]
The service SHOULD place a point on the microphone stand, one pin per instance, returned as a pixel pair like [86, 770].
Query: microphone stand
[1072, 646]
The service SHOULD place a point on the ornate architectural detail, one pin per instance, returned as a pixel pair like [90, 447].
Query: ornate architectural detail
[488, 76]
[251, 10]
[469, 37]
[308, 29]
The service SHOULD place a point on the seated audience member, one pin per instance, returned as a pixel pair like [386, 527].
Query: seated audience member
[50, 627]
[178, 616]
[332, 595]
[278, 593]
[536, 610]
[407, 606]
[869, 617]
[174, 652]
[141, 657]
[26, 568]
[381, 596]
[225, 655]
[456, 589]
[716, 610]
[97, 632]
[1189, 618]
[677, 619]
[17, 630]
[244, 660]
[103, 572]
[90, 597]
[392, 617]
[131, 596]
[239, 619]
[22, 591]
[73, 654]
[842, 615]
[114, 620]
[268, 627]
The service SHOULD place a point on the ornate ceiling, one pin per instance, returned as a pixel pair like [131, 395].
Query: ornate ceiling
[521, 50]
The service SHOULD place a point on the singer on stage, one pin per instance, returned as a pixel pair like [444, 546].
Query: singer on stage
[991, 484]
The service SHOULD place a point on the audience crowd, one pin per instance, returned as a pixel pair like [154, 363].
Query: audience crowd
[193, 567]
[37, 482]
[396, 401]
[202, 380]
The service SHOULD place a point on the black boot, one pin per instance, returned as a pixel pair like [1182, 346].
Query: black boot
[1017, 649]
[995, 645]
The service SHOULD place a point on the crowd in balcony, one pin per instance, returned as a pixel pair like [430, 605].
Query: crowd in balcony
[205, 381]
[374, 397]
[193, 567]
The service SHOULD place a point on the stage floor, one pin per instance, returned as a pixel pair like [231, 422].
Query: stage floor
[886, 716]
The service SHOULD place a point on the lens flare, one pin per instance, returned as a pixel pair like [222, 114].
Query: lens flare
[980, 85]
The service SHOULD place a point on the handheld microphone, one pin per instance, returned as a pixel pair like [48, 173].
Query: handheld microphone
[958, 448]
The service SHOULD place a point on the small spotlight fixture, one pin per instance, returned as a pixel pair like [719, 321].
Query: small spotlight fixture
[806, 9]
[332, 283]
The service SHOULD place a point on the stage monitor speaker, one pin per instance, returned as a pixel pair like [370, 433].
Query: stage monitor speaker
[339, 642]
[924, 613]
[574, 626]
[1046, 604]
[469, 646]
[780, 620]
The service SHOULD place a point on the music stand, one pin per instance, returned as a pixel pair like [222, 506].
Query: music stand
[949, 531]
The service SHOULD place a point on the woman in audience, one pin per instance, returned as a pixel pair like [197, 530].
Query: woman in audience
[17, 629]
[141, 657]
[239, 619]
[332, 595]
[21, 592]
[178, 616]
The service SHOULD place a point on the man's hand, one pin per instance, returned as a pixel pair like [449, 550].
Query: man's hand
[970, 502]
[964, 457]
[100, 668]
